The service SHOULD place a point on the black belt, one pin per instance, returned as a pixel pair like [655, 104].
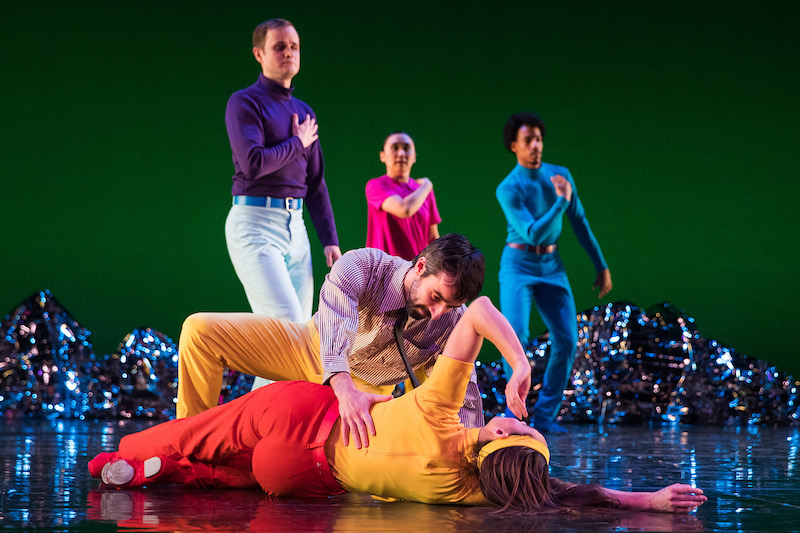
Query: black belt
[539, 249]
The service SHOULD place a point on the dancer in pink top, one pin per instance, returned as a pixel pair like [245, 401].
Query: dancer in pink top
[402, 217]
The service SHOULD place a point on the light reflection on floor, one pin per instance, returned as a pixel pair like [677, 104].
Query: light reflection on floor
[750, 475]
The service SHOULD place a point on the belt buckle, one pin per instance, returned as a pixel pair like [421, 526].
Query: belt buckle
[289, 201]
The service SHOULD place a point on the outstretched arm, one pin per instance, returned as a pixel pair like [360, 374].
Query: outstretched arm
[483, 320]
[677, 498]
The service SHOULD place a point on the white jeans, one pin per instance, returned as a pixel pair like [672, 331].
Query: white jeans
[271, 255]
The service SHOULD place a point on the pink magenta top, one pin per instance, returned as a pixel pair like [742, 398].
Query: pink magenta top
[403, 237]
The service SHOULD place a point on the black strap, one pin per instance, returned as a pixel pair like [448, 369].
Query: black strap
[398, 337]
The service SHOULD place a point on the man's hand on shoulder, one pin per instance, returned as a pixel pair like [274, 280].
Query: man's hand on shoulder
[332, 253]
[354, 409]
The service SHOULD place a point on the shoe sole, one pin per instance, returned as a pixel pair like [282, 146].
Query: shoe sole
[117, 473]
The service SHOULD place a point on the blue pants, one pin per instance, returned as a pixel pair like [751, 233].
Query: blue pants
[524, 278]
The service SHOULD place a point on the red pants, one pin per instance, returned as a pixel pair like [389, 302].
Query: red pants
[262, 437]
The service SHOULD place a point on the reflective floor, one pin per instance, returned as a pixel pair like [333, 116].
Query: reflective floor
[751, 476]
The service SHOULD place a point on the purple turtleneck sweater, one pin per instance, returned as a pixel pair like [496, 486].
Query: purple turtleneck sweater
[269, 161]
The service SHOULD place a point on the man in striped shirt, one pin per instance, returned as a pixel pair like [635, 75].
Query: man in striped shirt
[350, 341]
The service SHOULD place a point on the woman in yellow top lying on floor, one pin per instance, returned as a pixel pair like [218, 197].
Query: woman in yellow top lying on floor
[286, 437]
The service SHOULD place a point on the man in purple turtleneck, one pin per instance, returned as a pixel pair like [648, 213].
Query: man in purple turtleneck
[278, 168]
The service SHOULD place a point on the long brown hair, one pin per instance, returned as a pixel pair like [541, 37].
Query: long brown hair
[517, 478]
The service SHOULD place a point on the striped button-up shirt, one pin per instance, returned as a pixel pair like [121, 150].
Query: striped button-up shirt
[358, 307]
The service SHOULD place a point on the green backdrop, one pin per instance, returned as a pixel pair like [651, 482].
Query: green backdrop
[677, 120]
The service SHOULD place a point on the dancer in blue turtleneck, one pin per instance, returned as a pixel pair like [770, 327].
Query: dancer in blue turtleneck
[534, 198]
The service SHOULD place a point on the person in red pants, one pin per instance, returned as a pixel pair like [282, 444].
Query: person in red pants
[286, 438]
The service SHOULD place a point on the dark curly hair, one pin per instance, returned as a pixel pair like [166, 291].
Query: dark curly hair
[515, 122]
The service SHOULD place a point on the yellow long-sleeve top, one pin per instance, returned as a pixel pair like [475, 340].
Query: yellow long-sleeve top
[420, 449]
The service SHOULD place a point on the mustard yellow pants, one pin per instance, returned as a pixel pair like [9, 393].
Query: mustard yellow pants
[254, 344]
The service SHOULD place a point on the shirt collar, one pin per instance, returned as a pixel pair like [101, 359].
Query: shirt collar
[395, 296]
[529, 172]
[276, 90]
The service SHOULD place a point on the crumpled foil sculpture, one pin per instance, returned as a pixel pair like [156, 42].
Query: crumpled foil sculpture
[48, 367]
[634, 365]
[43, 353]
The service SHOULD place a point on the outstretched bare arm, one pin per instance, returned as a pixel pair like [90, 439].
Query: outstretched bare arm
[483, 320]
[677, 498]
